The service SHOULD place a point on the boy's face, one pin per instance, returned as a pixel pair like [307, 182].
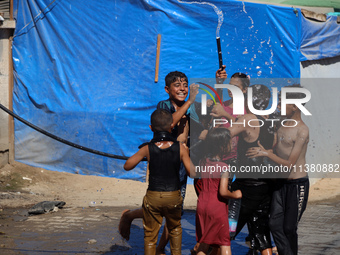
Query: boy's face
[178, 90]
[290, 109]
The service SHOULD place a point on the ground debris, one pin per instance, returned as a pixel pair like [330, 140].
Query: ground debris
[91, 241]
[46, 206]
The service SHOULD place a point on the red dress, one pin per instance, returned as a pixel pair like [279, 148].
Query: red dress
[212, 225]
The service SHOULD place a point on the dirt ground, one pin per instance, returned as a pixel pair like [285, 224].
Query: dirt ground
[22, 185]
[88, 223]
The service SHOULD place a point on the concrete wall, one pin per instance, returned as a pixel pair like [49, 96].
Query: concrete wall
[6, 31]
[322, 79]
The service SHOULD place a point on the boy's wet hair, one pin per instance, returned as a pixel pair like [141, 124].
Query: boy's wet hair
[217, 142]
[174, 76]
[295, 95]
[261, 96]
[161, 120]
[244, 79]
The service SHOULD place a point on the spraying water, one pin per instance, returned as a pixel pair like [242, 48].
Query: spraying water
[216, 9]
[220, 21]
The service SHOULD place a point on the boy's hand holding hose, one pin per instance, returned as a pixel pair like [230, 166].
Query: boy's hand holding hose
[221, 75]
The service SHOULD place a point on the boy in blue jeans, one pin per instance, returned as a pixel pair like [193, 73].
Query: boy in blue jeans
[163, 197]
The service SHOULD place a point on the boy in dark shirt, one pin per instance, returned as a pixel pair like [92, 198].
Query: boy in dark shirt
[163, 197]
[176, 85]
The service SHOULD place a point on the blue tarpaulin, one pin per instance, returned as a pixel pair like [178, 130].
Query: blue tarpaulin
[319, 39]
[84, 70]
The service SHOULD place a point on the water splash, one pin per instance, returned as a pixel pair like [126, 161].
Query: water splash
[244, 7]
[252, 22]
[216, 9]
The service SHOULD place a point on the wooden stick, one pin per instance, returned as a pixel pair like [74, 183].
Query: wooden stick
[11, 10]
[159, 37]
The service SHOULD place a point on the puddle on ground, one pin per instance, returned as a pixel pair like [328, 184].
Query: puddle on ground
[70, 230]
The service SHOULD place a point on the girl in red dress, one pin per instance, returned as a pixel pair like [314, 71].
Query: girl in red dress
[212, 227]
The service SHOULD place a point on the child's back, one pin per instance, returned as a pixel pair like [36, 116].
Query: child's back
[164, 166]
[163, 197]
[212, 227]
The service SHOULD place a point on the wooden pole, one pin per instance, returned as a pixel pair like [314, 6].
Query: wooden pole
[11, 10]
[10, 104]
[159, 37]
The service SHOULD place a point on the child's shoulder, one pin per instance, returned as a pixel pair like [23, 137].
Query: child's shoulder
[166, 105]
[303, 129]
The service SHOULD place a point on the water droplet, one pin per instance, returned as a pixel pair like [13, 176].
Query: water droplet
[259, 73]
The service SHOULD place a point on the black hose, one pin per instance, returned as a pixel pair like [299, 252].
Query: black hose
[61, 139]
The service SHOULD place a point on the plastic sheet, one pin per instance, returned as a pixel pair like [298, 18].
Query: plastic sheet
[84, 70]
[319, 39]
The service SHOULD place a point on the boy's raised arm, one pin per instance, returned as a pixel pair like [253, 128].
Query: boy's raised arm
[218, 111]
[133, 161]
[180, 112]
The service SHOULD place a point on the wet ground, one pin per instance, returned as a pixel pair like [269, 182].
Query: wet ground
[94, 231]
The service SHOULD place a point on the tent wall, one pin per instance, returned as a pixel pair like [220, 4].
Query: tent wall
[84, 71]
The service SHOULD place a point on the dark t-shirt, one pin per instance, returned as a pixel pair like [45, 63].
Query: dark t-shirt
[164, 168]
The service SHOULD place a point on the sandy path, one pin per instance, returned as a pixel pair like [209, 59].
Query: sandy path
[38, 185]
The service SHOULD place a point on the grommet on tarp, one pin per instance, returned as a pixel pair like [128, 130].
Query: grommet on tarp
[296, 12]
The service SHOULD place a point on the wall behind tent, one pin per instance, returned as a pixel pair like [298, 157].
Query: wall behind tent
[321, 77]
[84, 70]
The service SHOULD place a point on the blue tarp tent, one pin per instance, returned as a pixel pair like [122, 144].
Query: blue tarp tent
[84, 70]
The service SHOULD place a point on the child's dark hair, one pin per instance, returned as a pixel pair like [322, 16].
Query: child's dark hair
[161, 120]
[294, 95]
[261, 96]
[173, 76]
[217, 142]
[244, 79]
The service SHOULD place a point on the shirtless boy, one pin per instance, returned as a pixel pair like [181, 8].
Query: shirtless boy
[291, 194]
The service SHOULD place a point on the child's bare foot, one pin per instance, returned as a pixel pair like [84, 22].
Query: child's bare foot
[124, 225]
